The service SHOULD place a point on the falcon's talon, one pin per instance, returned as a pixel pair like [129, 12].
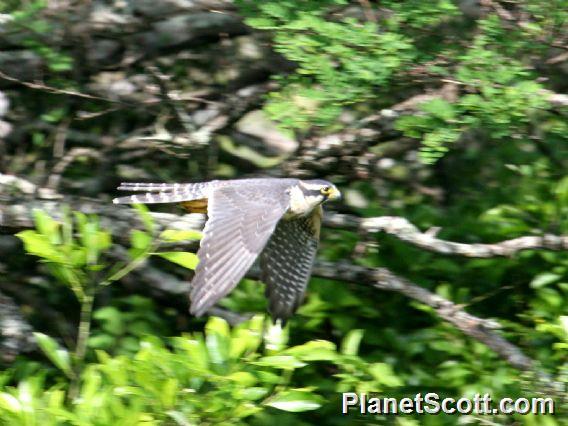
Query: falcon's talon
[278, 219]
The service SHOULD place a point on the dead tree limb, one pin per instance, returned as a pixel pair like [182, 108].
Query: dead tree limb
[15, 332]
[482, 330]
[19, 214]
[402, 229]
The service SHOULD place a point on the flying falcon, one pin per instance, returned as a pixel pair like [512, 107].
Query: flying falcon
[278, 219]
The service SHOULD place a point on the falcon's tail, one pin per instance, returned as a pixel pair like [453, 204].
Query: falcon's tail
[142, 186]
[161, 192]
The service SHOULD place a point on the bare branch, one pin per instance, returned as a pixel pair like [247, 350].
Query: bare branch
[63, 163]
[15, 332]
[176, 106]
[368, 11]
[56, 91]
[402, 229]
[381, 278]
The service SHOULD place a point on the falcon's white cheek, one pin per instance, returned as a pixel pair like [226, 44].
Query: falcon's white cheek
[316, 201]
[300, 205]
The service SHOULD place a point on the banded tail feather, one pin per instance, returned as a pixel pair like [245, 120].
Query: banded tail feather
[161, 193]
[151, 198]
[141, 186]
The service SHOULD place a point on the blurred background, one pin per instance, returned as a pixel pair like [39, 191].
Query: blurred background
[443, 120]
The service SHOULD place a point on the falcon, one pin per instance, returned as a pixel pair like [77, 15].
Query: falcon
[276, 219]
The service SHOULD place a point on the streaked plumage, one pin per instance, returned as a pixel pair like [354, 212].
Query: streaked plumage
[278, 219]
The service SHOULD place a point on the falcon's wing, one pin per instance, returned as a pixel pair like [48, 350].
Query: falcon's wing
[163, 192]
[286, 263]
[241, 219]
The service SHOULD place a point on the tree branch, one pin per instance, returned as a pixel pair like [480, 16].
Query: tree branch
[402, 229]
[15, 332]
[480, 329]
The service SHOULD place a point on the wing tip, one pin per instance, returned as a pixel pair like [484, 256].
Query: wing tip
[198, 309]
[199, 304]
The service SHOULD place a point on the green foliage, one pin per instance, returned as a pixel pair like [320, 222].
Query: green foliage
[75, 260]
[343, 62]
[339, 62]
[71, 259]
[419, 14]
[74, 251]
[503, 103]
[187, 260]
[57, 355]
[224, 376]
[120, 327]
[28, 16]
[174, 235]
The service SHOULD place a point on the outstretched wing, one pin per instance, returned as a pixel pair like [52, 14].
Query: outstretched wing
[241, 219]
[163, 192]
[286, 263]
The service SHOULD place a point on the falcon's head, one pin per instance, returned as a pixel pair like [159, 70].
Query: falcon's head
[316, 192]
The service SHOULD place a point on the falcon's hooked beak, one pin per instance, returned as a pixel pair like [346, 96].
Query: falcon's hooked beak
[334, 194]
[330, 192]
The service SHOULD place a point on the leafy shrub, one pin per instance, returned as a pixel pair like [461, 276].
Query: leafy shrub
[224, 376]
[348, 62]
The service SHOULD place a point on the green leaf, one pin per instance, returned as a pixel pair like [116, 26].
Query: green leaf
[102, 341]
[252, 393]
[173, 235]
[564, 324]
[316, 350]
[439, 108]
[179, 418]
[39, 245]
[217, 340]
[112, 320]
[243, 378]
[145, 216]
[56, 354]
[54, 116]
[561, 191]
[196, 351]
[284, 362]
[275, 337]
[104, 240]
[295, 401]
[47, 226]
[185, 259]
[168, 392]
[384, 374]
[88, 230]
[140, 240]
[218, 326]
[9, 403]
[350, 344]
[544, 279]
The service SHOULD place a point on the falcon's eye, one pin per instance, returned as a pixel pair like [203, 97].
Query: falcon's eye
[325, 190]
